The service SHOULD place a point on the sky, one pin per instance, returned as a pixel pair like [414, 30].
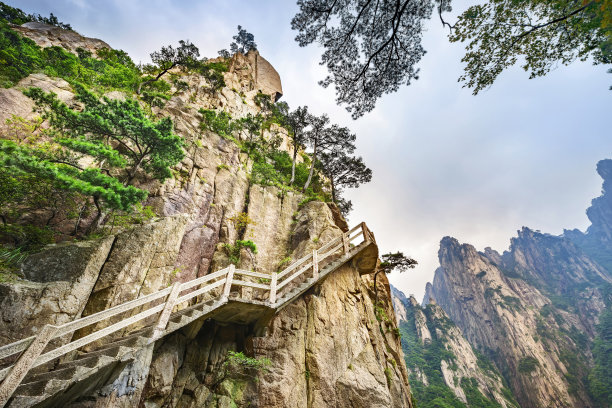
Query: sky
[445, 162]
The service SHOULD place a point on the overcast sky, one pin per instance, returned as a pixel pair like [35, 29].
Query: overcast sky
[478, 168]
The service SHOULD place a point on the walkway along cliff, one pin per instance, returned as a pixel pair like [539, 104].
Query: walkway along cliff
[154, 313]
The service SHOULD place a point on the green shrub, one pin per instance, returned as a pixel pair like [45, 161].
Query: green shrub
[220, 123]
[233, 251]
[241, 361]
[527, 365]
[139, 215]
[11, 258]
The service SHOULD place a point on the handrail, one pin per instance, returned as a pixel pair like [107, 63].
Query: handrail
[32, 348]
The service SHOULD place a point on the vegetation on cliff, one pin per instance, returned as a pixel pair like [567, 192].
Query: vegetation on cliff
[94, 156]
[425, 358]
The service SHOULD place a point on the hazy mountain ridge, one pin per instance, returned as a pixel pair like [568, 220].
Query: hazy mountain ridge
[534, 309]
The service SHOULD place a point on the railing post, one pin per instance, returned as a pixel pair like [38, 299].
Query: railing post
[228, 281]
[345, 243]
[365, 232]
[273, 283]
[315, 264]
[164, 316]
[25, 362]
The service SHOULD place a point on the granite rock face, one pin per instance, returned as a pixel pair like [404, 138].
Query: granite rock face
[46, 35]
[328, 349]
[56, 286]
[533, 309]
[459, 367]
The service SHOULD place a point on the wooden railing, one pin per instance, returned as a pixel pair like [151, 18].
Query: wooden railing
[163, 302]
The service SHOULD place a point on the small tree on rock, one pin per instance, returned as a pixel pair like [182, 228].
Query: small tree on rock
[396, 261]
[344, 171]
[243, 42]
[324, 139]
[184, 57]
[298, 122]
[114, 136]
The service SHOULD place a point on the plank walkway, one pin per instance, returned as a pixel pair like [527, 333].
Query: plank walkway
[229, 295]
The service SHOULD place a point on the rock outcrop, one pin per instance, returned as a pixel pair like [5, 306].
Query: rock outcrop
[533, 309]
[465, 377]
[328, 349]
[46, 35]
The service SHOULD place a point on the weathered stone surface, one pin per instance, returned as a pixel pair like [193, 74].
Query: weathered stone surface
[59, 280]
[504, 315]
[267, 79]
[47, 35]
[141, 262]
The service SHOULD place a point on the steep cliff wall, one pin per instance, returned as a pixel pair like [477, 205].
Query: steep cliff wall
[444, 368]
[328, 349]
[533, 310]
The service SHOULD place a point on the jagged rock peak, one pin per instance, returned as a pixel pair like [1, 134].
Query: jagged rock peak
[600, 212]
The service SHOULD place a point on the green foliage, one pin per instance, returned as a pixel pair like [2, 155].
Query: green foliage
[389, 376]
[220, 123]
[244, 363]
[233, 251]
[426, 358]
[484, 363]
[381, 314]
[511, 302]
[213, 73]
[32, 162]
[138, 216]
[528, 365]
[600, 377]
[396, 261]
[481, 274]
[241, 221]
[474, 397]
[184, 57]
[17, 16]
[540, 33]
[11, 258]
[27, 236]
[20, 57]
[562, 302]
[22, 194]
[143, 143]
[283, 262]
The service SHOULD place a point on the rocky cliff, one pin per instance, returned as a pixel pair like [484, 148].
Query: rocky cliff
[330, 348]
[533, 309]
[444, 368]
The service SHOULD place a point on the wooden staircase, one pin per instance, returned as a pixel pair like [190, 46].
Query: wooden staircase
[43, 370]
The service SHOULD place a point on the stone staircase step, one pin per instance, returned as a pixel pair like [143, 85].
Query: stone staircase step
[134, 340]
[26, 401]
[41, 387]
[113, 351]
[89, 361]
[66, 372]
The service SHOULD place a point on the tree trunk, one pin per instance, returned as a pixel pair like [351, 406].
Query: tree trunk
[314, 159]
[333, 187]
[376, 289]
[293, 165]
[153, 79]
